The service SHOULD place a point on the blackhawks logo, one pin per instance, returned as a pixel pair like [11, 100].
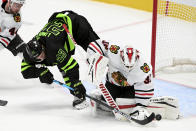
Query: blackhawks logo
[120, 79]
[145, 68]
[114, 49]
[17, 17]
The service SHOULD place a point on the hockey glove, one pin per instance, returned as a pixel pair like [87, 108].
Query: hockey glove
[45, 76]
[79, 90]
[17, 45]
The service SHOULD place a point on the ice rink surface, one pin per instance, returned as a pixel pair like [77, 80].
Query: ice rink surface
[34, 107]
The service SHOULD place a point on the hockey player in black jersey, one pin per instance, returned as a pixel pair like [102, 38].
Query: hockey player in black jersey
[53, 46]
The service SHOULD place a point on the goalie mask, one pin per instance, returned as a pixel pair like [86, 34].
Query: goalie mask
[129, 56]
[34, 49]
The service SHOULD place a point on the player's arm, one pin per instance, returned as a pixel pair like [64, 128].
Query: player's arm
[31, 71]
[16, 45]
[141, 78]
[100, 47]
[69, 69]
[13, 43]
[144, 91]
[11, 40]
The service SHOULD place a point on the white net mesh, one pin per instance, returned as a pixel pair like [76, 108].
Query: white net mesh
[176, 33]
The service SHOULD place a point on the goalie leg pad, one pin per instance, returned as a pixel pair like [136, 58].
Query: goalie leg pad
[129, 106]
[166, 106]
[125, 104]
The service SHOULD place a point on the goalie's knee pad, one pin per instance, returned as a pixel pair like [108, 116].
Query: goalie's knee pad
[166, 106]
[125, 105]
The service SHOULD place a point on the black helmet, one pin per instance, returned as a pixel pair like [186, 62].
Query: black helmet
[33, 49]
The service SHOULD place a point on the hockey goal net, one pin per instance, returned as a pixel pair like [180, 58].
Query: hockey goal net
[174, 36]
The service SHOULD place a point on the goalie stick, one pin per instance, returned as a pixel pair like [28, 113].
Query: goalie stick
[3, 102]
[128, 117]
[107, 96]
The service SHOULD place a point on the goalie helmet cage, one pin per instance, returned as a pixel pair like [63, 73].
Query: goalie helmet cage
[173, 35]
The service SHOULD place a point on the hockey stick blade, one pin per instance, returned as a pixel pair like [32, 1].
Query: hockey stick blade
[3, 103]
[145, 121]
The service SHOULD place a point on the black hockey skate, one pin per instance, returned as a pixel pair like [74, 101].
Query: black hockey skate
[3, 102]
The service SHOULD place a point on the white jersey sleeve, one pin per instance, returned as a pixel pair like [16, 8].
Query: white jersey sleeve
[9, 25]
[141, 78]
[98, 46]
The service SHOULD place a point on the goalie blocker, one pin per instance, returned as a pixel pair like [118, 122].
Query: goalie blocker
[166, 106]
[97, 68]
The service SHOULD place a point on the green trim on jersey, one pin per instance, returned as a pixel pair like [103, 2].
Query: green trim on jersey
[67, 81]
[72, 63]
[44, 72]
[72, 66]
[68, 21]
[68, 63]
[25, 66]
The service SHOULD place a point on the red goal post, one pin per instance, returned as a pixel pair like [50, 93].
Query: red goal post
[173, 36]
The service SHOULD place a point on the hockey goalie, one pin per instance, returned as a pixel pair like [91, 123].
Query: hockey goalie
[124, 81]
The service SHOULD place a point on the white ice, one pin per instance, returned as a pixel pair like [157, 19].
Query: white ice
[33, 107]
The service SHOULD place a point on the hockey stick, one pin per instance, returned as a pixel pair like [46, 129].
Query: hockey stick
[128, 117]
[107, 96]
[3, 102]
